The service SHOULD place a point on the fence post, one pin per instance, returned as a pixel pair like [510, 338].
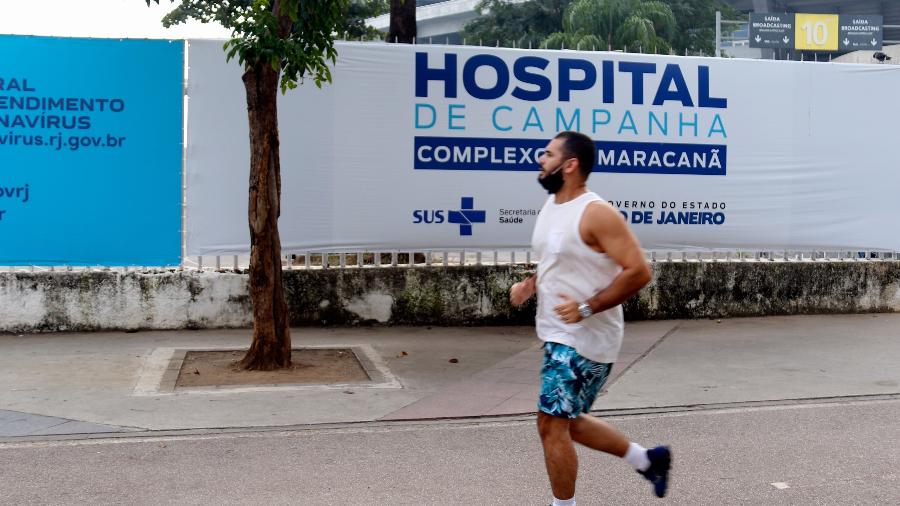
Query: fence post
[718, 34]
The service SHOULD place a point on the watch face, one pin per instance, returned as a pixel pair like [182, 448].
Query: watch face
[585, 310]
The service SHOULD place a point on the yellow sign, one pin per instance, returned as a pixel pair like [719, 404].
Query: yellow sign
[816, 32]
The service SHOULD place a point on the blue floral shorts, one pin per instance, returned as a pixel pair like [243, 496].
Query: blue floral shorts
[569, 382]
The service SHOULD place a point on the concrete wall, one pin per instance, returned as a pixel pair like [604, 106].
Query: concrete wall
[73, 301]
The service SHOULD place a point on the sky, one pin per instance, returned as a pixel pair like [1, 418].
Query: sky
[99, 18]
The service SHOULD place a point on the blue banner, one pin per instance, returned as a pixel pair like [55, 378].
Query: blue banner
[90, 151]
[467, 153]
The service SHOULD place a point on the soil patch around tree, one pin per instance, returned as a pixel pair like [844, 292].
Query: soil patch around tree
[319, 366]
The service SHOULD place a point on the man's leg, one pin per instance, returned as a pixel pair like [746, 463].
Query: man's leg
[559, 454]
[598, 435]
[594, 433]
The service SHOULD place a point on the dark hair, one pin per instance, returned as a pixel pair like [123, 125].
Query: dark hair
[580, 146]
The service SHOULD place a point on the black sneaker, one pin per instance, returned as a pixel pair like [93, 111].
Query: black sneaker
[658, 472]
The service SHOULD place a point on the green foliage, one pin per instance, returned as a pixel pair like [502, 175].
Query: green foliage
[697, 24]
[661, 16]
[353, 23]
[630, 24]
[590, 42]
[650, 26]
[558, 40]
[298, 39]
[515, 24]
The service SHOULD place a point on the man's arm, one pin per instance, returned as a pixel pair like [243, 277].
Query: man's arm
[606, 230]
[522, 291]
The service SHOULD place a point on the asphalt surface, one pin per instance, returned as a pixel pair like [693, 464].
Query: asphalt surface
[840, 451]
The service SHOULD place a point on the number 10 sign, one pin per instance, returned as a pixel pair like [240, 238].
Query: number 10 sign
[816, 32]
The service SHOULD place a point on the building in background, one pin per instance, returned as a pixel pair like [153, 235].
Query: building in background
[738, 45]
[440, 22]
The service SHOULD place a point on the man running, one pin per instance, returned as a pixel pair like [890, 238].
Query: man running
[589, 263]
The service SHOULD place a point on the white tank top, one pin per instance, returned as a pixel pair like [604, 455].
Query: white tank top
[566, 265]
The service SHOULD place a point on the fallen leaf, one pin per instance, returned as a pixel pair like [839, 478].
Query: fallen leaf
[348, 392]
[402, 354]
[196, 371]
[454, 361]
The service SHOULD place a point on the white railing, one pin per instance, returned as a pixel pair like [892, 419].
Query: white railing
[460, 258]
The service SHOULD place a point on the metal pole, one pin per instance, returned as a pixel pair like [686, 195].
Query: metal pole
[718, 33]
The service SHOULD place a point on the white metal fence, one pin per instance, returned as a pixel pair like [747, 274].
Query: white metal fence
[427, 259]
[464, 258]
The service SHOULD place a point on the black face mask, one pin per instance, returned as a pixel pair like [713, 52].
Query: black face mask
[553, 181]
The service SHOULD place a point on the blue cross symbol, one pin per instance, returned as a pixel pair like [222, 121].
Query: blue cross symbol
[466, 216]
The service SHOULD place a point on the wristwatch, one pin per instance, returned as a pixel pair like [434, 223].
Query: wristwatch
[584, 309]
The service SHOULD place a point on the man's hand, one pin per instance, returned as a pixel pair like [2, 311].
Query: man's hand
[521, 291]
[568, 310]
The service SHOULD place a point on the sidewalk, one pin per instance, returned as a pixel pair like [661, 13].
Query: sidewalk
[94, 383]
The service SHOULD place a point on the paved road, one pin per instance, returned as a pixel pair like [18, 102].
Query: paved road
[842, 452]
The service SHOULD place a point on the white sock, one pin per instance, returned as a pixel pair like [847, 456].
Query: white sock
[564, 502]
[637, 457]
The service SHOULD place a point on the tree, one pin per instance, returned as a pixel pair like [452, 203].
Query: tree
[697, 24]
[403, 22]
[278, 42]
[633, 25]
[352, 24]
[515, 24]
[541, 22]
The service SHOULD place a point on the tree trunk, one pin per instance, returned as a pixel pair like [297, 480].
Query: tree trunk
[403, 21]
[271, 347]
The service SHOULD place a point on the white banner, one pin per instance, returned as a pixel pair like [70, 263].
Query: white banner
[435, 147]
